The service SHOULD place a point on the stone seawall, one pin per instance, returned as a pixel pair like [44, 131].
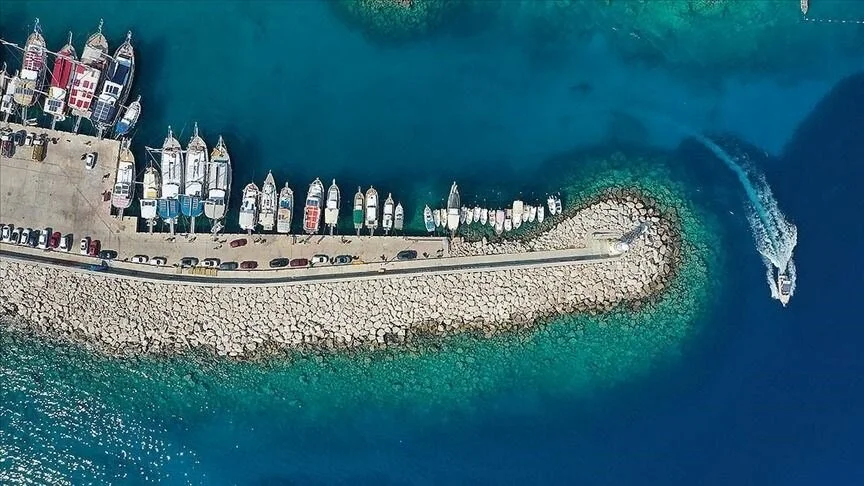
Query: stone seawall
[128, 317]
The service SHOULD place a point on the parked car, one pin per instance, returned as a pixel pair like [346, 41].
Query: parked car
[139, 259]
[7, 146]
[406, 255]
[107, 254]
[6, 233]
[238, 242]
[44, 237]
[299, 262]
[320, 259]
[16, 236]
[188, 262]
[228, 266]
[90, 160]
[65, 243]
[249, 265]
[54, 241]
[158, 261]
[84, 248]
[279, 262]
[19, 137]
[341, 260]
[25, 236]
[33, 239]
[211, 262]
[95, 246]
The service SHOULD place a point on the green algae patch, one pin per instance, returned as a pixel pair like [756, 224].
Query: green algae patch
[396, 20]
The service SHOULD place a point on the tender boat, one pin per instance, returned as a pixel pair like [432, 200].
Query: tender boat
[357, 213]
[558, 207]
[436, 217]
[516, 216]
[121, 196]
[129, 119]
[399, 217]
[550, 201]
[7, 104]
[387, 219]
[33, 66]
[508, 219]
[61, 78]
[150, 193]
[331, 210]
[499, 221]
[85, 78]
[371, 209]
[429, 219]
[286, 208]
[192, 200]
[218, 182]
[115, 86]
[453, 204]
[541, 214]
[249, 207]
[267, 203]
[172, 178]
[312, 210]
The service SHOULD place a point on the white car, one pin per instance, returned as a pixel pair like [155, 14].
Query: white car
[44, 236]
[211, 262]
[90, 160]
[140, 259]
[158, 261]
[6, 233]
[85, 245]
[25, 236]
[15, 239]
[320, 259]
[65, 243]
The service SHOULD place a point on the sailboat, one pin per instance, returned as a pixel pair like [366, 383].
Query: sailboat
[121, 197]
[453, 204]
[267, 203]
[218, 182]
[33, 66]
[149, 194]
[312, 210]
[86, 74]
[371, 210]
[428, 219]
[129, 119]
[115, 86]
[387, 219]
[357, 213]
[192, 200]
[331, 210]
[399, 217]
[516, 216]
[285, 211]
[61, 78]
[172, 178]
[249, 207]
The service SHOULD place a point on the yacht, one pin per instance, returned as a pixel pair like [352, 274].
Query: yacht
[387, 219]
[371, 210]
[267, 203]
[286, 208]
[249, 207]
[453, 204]
[331, 209]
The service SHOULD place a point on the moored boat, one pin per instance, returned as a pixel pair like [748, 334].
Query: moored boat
[129, 118]
[150, 193]
[453, 204]
[312, 209]
[508, 219]
[115, 86]
[121, 196]
[249, 207]
[357, 213]
[541, 214]
[526, 213]
[171, 161]
[267, 203]
[516, 214]
[331, 209]
[371, 218]
[33, 66]
[464, 215]
[550, 201]
[192, 200]
[387, 218]
[558, 206]
[398, 217]
[86, 74]
[285, 211]
[499, 221]
[218, 182]
[4, 78]
[7, 103]
[532, 215]
[429, 219]
[475, 214]
[61, 78]
[484, 216]
[436, 217]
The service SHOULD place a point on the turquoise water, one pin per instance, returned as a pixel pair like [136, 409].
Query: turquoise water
[712, 384]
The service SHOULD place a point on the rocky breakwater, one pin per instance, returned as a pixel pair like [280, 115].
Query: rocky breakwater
[129, 317]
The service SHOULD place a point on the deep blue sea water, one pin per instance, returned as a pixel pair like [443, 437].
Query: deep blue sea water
[762, 395]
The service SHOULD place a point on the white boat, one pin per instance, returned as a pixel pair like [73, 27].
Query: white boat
[331, 210]
[249, 207]
[532, 214]
[484, 216]
[4, 78]
[550, 201]
[387, 218]
[499, 221]
[150, 193]
[526, 213]
[286, 208]
[436, 217]
[85, 78]
[398, 217]
[429, 219]
[784, 287]
[371, 209]
[357, 212]
[7, 103]
[454, 202]
[129, 118]
[121, 196]
[516, 216]
[267, 203]
[492, 215]
[558, 207]
[195, 176]
[171, 160]
[218, 182]
[508, 219]
[312, 209]
[541, 214]
[475, 214]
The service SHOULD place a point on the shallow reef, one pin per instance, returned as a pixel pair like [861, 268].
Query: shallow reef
[396, 20]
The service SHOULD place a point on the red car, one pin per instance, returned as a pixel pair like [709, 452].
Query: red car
[54, 241]
[299, 262]
[238, 243]
[249, 265]
[95, 246]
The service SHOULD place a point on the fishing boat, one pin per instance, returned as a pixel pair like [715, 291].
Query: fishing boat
[508, 219]
[312, 210]
[331, 209]
[429, 219]
[129, 118]
[550, 201]
[171, 161]
[218, 182]
[192, 200]
[532, 215]
[32, 73]
[357, 213]
[398, 217]
[115, 86]
[121, 197]
[526, 213]
[7, 103]
[453, 204]
[61, 78]
[267, 203]
[436, 217]
[371, 218]
[541, 214]
[285, 211]
[387, 219]
[249, 207]
[86, 74]
[516, 214]
[149, 194]
[558, 207]
[499, 221]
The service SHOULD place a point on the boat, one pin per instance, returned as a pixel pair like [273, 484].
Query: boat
[249, 207]
[331, 209]
[86, 74]
[526, 213]
[192, 200]
[387, 218]
[285, 211]
[436, 217]
[32, 73]
[550, 201]
[508, 219]
[464, 215]
[267, 203]
[398, 217]
[150, 193]
[784, 287]
[805, 6]
[541, 214]
[484, 216]
[312, 210]
[121, 196]
[357, 213]
[7, 103]
[371, 218]
[429, 219]
[115, 86]
[4, 78]
[218, 182]
[558, 206]
[171, 161]
[453, 203]
[61, 78]
[516, 216]
[129, 118]
[475, 215]
[499, 221]
[532, 215]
